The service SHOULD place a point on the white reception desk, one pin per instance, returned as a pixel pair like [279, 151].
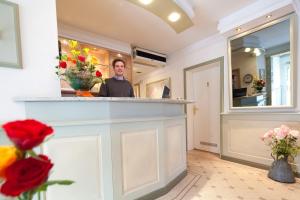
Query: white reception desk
[113, 148]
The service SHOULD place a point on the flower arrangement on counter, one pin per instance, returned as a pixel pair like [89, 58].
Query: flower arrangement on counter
[258, 84]
[23, 172]
[283, 142]
[79, 68]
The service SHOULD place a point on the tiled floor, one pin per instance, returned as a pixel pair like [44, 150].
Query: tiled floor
[210, 178]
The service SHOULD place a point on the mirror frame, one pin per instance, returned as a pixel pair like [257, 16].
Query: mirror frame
[293, 75]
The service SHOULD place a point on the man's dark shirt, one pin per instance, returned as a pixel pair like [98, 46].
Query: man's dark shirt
[116, 88]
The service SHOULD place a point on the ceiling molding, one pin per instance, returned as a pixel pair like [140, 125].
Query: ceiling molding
[186, 6]
[258, 9]
[163, 9]
[296, 4]
[71, 32]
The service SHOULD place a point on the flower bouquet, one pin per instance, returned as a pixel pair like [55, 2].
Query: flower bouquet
[258, 84]
[24, 173]
[283, 143]
[79, 69]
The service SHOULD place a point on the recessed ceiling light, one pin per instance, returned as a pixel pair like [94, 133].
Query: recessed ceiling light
[257, 52]
[119, 55]
[138, 72]
[247, 49]
[268, 16]
[145, 2]
[174, 16]
[238, 29]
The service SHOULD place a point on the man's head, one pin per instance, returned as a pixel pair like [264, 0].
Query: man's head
[119, 67]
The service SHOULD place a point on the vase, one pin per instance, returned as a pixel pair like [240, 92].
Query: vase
[281, 171]
[83, 93]
[259, 89]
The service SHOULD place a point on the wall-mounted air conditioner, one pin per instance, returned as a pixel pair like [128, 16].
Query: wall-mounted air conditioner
[146, 57]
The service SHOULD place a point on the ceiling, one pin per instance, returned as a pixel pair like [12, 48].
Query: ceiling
[126, 22]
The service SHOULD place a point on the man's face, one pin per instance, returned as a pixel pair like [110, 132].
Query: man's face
[119, 68]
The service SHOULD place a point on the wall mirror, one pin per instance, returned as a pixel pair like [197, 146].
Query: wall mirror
[262, 67]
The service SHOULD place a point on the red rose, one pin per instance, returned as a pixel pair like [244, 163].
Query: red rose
[81, 58]
[98, 74]
[25, 175]
[27, 134]
[62, 64]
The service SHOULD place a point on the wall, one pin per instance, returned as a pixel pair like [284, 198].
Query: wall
[67, 31]
[246, 63]
[197, 53]
[204, 50]
[39, 49]
[240, 133]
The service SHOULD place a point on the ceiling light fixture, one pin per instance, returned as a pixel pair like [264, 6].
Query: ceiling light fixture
[164, 9]
[268, 16]
[174, 17]
[238, 29]
[146, 2]
[257, 52]
[247, 49]
[119, 55]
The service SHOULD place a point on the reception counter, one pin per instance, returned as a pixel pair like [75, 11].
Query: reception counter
[113, 148]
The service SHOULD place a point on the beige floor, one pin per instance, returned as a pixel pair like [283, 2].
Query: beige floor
[211, 178]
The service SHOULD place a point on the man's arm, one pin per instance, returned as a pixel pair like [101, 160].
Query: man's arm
[103, 90]
[131, 91]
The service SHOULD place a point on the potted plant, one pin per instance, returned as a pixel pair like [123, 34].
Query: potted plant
[79, 69]
[283, 143]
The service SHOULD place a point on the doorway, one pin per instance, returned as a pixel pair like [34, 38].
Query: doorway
[204, 85]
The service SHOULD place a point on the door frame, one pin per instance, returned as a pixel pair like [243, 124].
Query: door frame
[185, 71]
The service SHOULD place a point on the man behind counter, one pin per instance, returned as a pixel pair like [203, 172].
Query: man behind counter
[117, 86]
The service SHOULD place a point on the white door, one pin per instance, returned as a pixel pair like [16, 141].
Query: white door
[203, 86]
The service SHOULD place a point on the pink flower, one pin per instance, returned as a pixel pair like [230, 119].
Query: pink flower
[268, 134]
[282, 132]
[294, 133]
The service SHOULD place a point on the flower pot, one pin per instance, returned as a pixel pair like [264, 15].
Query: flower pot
[83, 93]
[281, 171]
[259, 89]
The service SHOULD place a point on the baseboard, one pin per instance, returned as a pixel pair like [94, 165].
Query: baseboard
[249, 163]
[162, 191]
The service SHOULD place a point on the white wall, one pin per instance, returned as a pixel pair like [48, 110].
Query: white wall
[199, 52]
[39, 48]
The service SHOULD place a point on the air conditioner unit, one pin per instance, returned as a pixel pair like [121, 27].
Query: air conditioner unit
[146, 57]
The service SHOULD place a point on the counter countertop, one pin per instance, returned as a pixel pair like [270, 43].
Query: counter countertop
[103, 99]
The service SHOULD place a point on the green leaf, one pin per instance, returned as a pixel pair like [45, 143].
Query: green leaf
[44, 186]
[32, 154]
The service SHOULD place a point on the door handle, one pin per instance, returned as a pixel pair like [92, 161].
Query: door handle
[195, 109]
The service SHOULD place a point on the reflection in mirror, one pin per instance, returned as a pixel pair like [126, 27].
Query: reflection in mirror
[261, 67]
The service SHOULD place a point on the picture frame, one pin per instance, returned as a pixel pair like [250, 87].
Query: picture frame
[155, 89]
[10, 40]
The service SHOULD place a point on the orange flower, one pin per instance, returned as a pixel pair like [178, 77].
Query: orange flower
[8, 155]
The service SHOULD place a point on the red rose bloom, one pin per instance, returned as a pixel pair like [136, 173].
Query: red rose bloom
[25, 175]
[27, 134]
[81, 58]
[98, 74]
[62, 64]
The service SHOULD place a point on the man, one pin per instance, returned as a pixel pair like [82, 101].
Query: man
[117, 86]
